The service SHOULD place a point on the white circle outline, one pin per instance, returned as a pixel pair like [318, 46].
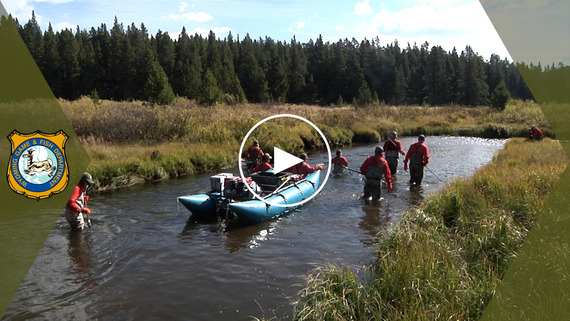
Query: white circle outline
[290, 116]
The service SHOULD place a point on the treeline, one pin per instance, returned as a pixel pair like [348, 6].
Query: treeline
[130, 64]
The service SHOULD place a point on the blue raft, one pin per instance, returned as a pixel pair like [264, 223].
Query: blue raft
[230, 199]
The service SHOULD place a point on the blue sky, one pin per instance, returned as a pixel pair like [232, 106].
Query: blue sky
[446, 23]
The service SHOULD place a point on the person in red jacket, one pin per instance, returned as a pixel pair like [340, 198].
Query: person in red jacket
[77, 204]
[392, 151]
[339, 163]
[264, 165]
[373, 168]
[253, 155]
[304, 168]
[418, 155]
[534, 133]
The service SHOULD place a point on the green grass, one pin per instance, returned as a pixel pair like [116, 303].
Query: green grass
[445, 258]
[189, 138]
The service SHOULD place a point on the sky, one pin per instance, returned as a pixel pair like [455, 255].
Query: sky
[446, 23]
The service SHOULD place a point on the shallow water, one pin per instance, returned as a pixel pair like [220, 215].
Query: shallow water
[143, 259]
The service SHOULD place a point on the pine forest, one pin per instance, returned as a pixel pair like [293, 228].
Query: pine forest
[129, 64]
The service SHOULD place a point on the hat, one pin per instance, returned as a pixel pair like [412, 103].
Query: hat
[393, 134]
[266, 156]
[255, 142]
[303, 156]
[338, 151]
[421, 137]
[86, 177]
[378, 150]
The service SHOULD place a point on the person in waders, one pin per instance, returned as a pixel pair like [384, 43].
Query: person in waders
[254, 155]
[77, 204]
[373, 168]
[392, 151]
[339, 163]
[418, 155]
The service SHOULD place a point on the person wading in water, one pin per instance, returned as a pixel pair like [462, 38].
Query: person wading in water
[392, 151]
[339, 163]
[373, 168]
[418, 155]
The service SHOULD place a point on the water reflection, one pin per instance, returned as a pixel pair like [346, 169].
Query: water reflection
[375, 220]
[416, 194]
[80, 252]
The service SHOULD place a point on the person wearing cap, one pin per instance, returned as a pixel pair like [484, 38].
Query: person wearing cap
[77, 204]
[304, 168]
[534, 133]
[418, 155]
[264, 165]
[339, 163]
[254, 155]
[373, 168]
[392, 151]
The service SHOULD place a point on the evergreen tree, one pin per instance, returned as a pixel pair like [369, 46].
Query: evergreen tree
[476, 88]
[142, 59]
[365, 96]
[32, 36]
[50, 63]
[251, 75]
[210, 93]
[164, 47]
[297, 73]
[438, 78]
[457, 78]
[157, 88]
[101, 40]
[68, 50]
[87, 78]
[500, 96]
[121, 69]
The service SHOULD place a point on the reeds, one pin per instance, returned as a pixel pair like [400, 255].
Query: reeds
[445, 258]
[120, 136]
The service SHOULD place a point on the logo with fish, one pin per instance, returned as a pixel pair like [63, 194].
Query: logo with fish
[38, 166]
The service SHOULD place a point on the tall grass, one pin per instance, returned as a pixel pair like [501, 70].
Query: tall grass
[445, 258]
[119, 136]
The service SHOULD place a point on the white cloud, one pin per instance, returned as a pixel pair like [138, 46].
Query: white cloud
[64, 25]
[340, 28]
[182, 6]
[190, 16]
[19, 9]
[298, 25]
[429, 17]
[445, 23]
[363, 8]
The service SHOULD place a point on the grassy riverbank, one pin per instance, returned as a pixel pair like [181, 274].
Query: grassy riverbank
[135, 142]
[445, 258]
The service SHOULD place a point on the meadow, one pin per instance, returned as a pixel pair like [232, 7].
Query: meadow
[136, 142]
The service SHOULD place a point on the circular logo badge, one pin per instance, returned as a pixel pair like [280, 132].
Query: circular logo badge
[259, 197]
[38, 167]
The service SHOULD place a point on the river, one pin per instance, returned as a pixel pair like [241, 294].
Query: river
[144, 259]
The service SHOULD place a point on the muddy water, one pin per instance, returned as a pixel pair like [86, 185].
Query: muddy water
[143, 259]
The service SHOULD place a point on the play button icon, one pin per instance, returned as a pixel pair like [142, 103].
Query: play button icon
[284, 160]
